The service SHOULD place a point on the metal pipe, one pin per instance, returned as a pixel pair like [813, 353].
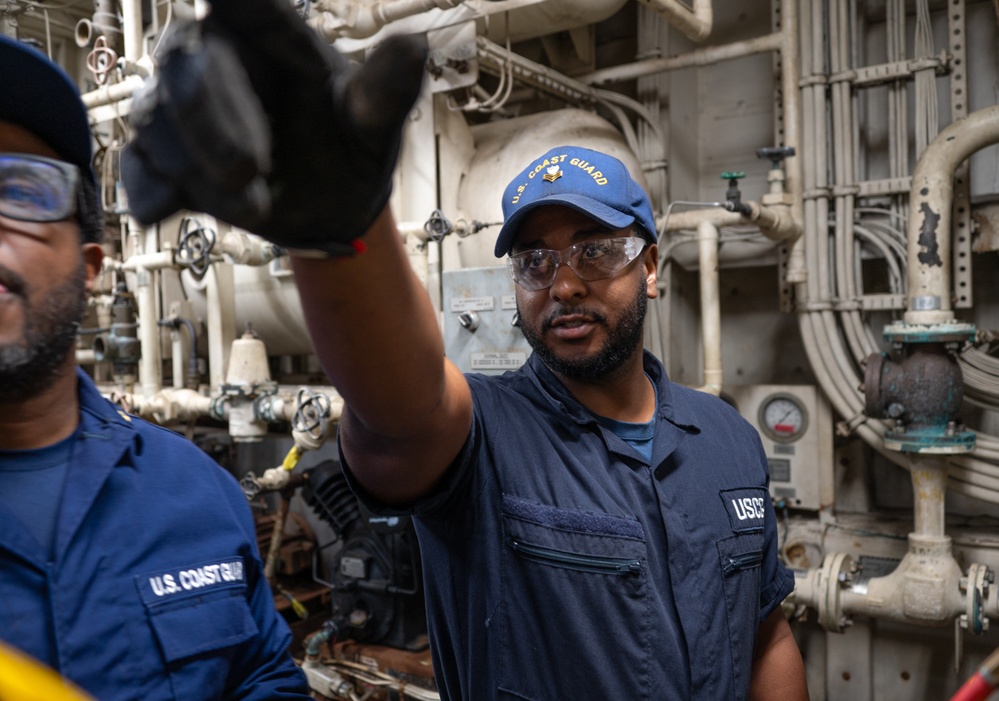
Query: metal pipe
[929, 486]
[691, 219]
[775, 222]
[707, 56]
[177, 357]
[365, 21]
[110, 94]
[221, 321]
[150, 373]
[790, 77]
[930, 203]
[707, 247]
[694, 23]
[131, 27]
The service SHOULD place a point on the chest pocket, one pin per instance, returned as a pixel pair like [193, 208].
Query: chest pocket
[197, 630]
[569, 578]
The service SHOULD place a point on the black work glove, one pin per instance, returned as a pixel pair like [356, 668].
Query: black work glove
[254, 119]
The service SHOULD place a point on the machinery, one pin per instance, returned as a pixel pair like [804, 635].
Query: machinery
[825, 176]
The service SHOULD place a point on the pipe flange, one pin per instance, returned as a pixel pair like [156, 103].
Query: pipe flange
[901, 332]
[947, 440]
[838, 572]
[974, 619]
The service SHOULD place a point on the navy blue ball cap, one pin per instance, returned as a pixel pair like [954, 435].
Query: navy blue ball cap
[36, 94]
[591, 182]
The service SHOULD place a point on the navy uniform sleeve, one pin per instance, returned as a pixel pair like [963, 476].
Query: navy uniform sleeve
[263, 669]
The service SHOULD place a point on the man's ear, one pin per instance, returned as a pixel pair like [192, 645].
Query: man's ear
[650, 261]
[93, 254]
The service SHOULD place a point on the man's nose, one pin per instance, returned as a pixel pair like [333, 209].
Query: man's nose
[567, 283]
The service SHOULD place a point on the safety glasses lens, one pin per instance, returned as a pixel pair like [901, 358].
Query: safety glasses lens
[590, 260]
[37, 189]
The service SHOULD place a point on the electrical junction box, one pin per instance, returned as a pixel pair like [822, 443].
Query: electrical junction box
[795, 424]
[479, 316]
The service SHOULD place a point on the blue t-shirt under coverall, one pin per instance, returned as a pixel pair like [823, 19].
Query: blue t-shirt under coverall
[561, 564]
[156, 589]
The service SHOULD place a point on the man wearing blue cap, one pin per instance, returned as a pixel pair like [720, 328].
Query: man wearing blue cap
[589, 530]
[128, 558]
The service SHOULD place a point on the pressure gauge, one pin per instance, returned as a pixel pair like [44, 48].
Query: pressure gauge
[782, 417]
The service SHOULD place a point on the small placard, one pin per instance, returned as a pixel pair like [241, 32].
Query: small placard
[497, 361]
[478, 304]
[780, 469]
[508, 302]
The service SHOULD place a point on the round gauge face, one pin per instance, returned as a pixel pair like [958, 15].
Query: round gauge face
[783, 418]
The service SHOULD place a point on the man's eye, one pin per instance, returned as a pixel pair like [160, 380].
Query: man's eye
[537, 260]
[592, 250]
[24, 192]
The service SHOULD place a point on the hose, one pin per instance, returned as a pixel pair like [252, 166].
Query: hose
[981, 683]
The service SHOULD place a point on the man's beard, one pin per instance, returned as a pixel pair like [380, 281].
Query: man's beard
[622, 340]
[29, 366]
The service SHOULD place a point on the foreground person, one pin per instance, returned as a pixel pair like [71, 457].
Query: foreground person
[128, 558]
[589, 530]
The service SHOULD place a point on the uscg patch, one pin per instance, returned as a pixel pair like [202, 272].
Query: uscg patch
[745, 507]
[189, 579]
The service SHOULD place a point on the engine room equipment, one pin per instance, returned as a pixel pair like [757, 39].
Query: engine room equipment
[120, 346]
[794, 422]
[850, 293]
[480, 321]
[247, 379]
[377, 585]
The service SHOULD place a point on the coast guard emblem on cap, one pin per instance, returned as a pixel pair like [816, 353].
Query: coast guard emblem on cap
[553, 174]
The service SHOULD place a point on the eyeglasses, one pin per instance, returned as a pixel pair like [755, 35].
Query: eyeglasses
[37, 189]
[590, 260]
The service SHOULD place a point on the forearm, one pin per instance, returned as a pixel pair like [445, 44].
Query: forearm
[408, 410]
[375, 332]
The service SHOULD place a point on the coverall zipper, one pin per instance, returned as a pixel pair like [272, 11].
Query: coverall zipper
[586, 563]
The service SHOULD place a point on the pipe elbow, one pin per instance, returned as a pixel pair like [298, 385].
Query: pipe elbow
[776, 222]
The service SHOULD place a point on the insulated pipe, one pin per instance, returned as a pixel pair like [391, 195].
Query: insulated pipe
[707, 56]
[930, 204]
[775, 222]
[362, 22]
[695, 24]
[170, 404]
[929, 486]
[691, 219]
[221, 321]
[790, 77]
[131, 28]
[177, 355]
[150, 372]
[707, 248]
[112, 93]
[925, 588]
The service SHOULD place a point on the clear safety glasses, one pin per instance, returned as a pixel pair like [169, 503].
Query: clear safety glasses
[590, 260]
[37, 189]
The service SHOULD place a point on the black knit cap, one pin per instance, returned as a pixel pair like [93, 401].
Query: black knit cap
[36, 94]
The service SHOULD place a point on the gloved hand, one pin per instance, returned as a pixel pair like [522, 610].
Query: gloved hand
[254, 119]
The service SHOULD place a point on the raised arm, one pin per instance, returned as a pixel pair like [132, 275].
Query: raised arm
[373, 326]
[252, 118]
